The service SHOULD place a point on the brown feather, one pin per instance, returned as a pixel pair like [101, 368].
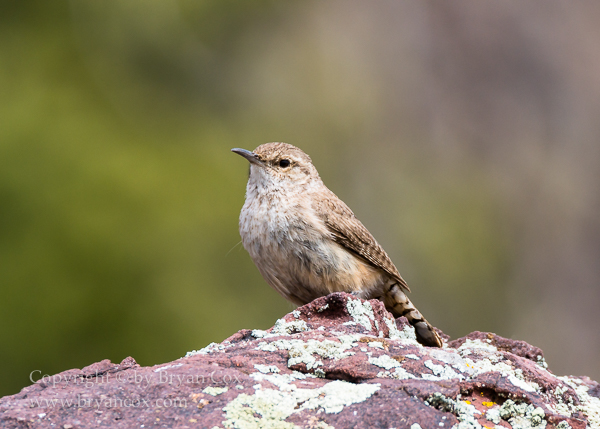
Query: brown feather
[348, 231]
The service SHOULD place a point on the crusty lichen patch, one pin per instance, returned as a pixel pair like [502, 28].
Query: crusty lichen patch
[361, 312]
[522, 415]
[282, 327]
[309, 351]
[269, 408]
[590, 405]
[211, 348]
[487, 358]
[440, 372]
[464, 412]
[215, 391]
[518, 414]
[407, 334]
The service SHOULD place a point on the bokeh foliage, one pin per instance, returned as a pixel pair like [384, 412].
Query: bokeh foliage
[118, 218]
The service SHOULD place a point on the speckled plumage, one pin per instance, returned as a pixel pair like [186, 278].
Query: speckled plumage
[307, 243]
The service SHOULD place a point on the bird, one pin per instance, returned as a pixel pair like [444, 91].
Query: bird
[307, 243]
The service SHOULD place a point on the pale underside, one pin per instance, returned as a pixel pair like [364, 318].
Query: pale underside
[320, 250]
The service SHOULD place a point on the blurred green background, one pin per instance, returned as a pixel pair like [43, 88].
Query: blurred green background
[464, 135]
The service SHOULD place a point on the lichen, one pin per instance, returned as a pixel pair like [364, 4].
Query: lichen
[542, 362]
[407, 334]
[266, 369]
[492, 361]
[590, 405]
[470, 345]
[361, 312]
[522, 415]
[451, 357]
[398, 374]
[282, 328]
[385, 361]
[287, 328]
[211, 348]
[259, 333]
[268, 408]
[493, 415]
[322, 308]
[215, 391]
[282, 381]
[465, 413]
[304, 351]
[440, 372]
[561, 407]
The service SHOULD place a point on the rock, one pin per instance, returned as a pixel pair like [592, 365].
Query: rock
[338, 362]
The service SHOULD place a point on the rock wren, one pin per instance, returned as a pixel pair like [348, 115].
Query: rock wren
[307, 243]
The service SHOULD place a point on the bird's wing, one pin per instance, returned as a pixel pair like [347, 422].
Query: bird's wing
[348, 231]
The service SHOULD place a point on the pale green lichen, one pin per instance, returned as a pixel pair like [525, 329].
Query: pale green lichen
[305, 351]
[259, 333]
[407, 334]
[492, 361]
[440, 372]
[361, 312]
[465, 413]
[470, 345]
[385, 362]
[397, 373]
[266, 369]
[211, 348]
[448, 356]
[388, 363]
[215, 391]
[268, 408]
[493, 415]
[522, 415]
[561, 407]
[282, 381]
[322, 308]
[287, 328]
[517, 379]
[282, 328]
[590, 405]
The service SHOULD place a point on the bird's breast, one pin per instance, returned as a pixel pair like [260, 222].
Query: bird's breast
[296, 254]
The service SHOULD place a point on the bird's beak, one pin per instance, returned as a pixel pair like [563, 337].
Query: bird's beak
[250, 156]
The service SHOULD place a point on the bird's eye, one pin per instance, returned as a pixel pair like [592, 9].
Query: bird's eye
[284, 163]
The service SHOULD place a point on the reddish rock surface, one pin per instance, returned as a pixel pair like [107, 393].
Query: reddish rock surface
[338, 362]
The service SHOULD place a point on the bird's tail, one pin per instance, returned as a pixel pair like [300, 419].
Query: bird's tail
[398, 304]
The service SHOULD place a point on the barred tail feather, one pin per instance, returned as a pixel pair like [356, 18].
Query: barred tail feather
[398, 304]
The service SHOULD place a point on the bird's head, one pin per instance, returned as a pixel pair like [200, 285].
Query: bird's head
[281, 166]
